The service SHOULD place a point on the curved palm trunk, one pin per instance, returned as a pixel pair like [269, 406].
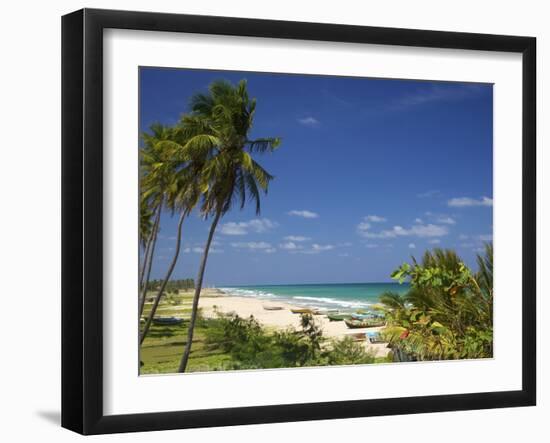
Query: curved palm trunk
[164, 282]
[148, 246]
[145, 284]
[198, 287]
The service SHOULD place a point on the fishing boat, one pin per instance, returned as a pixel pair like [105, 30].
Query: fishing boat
[338, 317]
[273, 308]
[301, 311]
[367, 323]
[325, 311]
[375, 337]
[167, 321]
[358, 336]
[359, 316]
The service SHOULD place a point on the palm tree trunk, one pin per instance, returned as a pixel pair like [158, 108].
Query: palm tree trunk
[148, 246]
[149, 264]
[164, 282]
[198, 287]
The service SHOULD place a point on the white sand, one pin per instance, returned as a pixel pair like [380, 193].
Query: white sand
[247, 306]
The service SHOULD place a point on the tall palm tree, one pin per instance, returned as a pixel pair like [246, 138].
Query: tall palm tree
[178, 181]
[218, 135]
[156, 176]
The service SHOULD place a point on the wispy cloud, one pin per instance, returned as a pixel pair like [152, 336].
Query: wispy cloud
[200, 250]
[255, 246]
[463, 202]
[309, 121]
[290, 246]
[258, 225]
[434, 241]
[436, 94]
[440, 218]
[417, 230]
[298, 238]
[374, 218]
[303, 213]
[428, 194]
[315, 248]
[446, 220]
[485, 237]
[412, 246]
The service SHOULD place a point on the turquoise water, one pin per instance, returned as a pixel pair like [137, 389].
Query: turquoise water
[330, 296]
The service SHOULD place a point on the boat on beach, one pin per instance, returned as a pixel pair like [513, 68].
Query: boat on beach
[167, 321]
[358, 336]
[273, 308]
[375, 337]
[367, 323]
[301, 311]
[338, 317]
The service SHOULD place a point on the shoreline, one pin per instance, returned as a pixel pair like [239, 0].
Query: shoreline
[215, 299]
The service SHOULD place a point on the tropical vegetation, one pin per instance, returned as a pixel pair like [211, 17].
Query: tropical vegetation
[448, 311]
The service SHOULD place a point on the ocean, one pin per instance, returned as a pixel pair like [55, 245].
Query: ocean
[330, 296]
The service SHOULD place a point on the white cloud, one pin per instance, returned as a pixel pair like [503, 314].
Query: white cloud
[257, 225]
[298, 238]
[462, 236]
[463, 202]
[440, 218]
[446, 220]
[270, 250]
[317, 247]
[290, 246]
[428, 194]
[485, 237]
[371, 245]
[412, 246]
[200, 249]
[435, 94]
[314, 249]
[417, 230]
[252, 245]
[309, 121]
[418, 220]
[434, 241]
[374, 219]
[303, 213]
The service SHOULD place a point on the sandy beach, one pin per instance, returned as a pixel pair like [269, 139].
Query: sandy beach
[281, 319]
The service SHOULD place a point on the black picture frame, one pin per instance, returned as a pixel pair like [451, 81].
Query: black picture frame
[82, 218]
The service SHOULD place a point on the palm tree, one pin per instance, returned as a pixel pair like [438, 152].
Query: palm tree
[156, 176]
[178, 180]
[218, 135]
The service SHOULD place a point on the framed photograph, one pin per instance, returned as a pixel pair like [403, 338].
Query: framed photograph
[269, 221]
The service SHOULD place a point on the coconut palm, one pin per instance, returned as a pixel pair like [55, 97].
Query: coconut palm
[156, 176]
[217, 130]
[179, 183]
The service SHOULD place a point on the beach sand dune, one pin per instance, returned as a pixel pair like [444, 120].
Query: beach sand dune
[212, 299]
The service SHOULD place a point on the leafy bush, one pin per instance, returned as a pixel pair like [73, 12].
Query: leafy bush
[447, 313]
[253, 347]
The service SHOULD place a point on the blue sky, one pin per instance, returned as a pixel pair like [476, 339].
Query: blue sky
[370, 172]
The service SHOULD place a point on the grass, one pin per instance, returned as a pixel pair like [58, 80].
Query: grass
[162, 350]
[163, 347]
